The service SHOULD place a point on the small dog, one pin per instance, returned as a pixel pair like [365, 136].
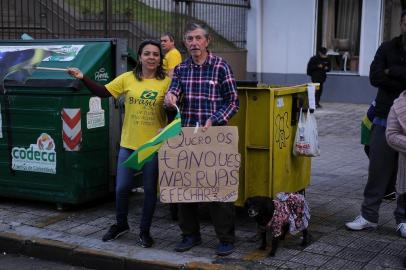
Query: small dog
[273, 215]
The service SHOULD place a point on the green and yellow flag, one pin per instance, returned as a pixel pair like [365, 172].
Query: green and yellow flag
[145, 152]
[18, 65]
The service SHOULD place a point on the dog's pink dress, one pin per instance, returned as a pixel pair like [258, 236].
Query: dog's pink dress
[292, 209]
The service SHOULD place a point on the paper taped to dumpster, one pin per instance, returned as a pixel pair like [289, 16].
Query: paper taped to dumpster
[200, 166]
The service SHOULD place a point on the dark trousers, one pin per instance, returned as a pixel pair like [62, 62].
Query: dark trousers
[124, 183]
[319, 93]
[222, 215]
[383, 161]
[391, 187]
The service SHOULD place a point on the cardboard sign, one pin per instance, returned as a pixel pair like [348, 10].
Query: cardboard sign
[199, 166]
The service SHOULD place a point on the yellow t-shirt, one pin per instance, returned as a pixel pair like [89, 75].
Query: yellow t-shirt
[172, 59]
[144, 114]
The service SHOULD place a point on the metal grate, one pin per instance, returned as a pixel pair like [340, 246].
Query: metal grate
[134, 20]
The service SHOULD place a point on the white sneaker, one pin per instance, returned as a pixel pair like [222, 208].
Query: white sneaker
[401, 230]
[361, 223]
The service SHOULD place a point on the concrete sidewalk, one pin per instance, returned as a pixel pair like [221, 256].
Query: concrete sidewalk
[335, 196]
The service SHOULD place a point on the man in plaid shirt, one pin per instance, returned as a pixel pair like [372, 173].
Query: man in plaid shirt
[205, 86]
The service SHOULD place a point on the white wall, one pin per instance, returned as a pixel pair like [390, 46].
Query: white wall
[254, 36]
[370, 33]
[281, 35]
[285, 40]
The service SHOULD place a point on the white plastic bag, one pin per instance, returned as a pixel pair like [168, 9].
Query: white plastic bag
[306, 139]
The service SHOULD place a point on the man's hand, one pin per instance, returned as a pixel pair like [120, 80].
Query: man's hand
[170, 100]
[207, 125]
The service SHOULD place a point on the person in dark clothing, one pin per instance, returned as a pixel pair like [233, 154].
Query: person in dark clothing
[317, 68]
[388, 73]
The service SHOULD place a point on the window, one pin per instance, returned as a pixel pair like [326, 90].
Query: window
[338, 29]
[391, 18]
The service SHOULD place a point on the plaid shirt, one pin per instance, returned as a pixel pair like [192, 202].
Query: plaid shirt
[206, 91]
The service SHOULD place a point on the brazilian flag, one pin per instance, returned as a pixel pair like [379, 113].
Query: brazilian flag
[149, 94]
[145, 152]
[18, 65]
[366, 126]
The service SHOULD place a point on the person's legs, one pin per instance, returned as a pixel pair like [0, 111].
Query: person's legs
[150, 180]
[124, 182]
[366, 150]
[400, 214]
[173, 209]
[390, 193]
[400, 211]
[189, 224]
[189, 219]
[382, 164]
[223, 217]
[318, 94]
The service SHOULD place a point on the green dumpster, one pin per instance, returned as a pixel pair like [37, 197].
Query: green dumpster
[58, 142]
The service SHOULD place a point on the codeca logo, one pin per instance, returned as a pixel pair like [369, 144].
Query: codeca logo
[45, 142]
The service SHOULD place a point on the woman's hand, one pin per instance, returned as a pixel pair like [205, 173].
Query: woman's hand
[75, 72]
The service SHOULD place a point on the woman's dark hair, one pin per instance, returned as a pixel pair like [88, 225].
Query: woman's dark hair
[160, 72]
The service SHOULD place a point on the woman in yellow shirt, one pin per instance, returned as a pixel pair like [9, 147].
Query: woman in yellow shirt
[144, 90]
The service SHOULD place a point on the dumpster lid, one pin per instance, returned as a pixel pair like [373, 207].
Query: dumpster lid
[60, 54]
[68, 83]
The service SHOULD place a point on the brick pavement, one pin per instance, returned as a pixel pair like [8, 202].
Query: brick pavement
[335, 195]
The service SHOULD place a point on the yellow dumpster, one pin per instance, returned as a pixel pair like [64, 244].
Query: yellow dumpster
[267, 122]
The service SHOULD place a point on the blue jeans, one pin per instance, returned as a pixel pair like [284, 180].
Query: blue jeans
[124, 184]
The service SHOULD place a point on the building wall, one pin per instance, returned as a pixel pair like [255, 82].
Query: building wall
[370, 33]
[281, 37]
[237, 60]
